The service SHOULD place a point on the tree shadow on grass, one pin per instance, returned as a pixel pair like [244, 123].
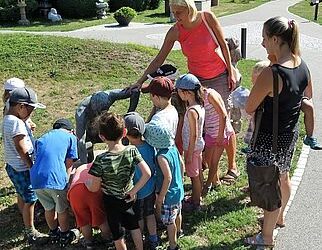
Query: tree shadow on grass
[215, 209]
[5, 191]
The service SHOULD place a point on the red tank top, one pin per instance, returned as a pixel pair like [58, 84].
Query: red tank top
[199, 48]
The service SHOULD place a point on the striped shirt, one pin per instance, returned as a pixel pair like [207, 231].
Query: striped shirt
[116, 170]
[12, 127]
[212, 119]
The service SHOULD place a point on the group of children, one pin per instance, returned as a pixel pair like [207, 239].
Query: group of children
[128, 184]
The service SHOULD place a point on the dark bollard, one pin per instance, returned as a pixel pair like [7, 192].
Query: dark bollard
[316, 12]
[167, 8]
[243, 42]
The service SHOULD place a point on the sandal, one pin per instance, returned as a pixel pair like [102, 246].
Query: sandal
[230, 176]
[257, 241]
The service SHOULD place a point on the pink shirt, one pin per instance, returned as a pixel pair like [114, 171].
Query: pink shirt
[199, 48]
[81, 175]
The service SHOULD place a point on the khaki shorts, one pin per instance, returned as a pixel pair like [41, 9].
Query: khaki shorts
[53, 199]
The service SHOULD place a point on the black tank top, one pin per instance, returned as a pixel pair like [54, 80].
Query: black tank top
[294, 81]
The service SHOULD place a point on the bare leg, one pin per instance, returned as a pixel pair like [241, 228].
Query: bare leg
[270, 219]
[20, 203]
[87, 233]
[51, 219]
[105, 231]
[179, 222]
[196, 189]
[63, 221]
[208, 157]
[172, 235]
[151, 224]
[286, 193]
[120, 244]
[28, 215]
[215, 162]
[137, 239]
[231, 153]
[308, 110]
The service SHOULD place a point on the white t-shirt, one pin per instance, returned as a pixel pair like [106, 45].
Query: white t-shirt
[168, 116]
[13, 126]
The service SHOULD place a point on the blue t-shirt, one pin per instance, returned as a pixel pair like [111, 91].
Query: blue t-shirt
[51, 152]
[175, 192]
[148, 154]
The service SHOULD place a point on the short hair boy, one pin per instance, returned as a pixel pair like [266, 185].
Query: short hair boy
[18, 151]
[161, 89]
[113, 171]
[169, 184]
[144, 205]
[55, 153]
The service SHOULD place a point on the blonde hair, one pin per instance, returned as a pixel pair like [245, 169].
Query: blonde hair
[190, 4]
[285, 29]
[259, 66]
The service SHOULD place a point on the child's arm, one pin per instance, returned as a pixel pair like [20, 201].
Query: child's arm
[93, 184]
[182, 167]
[167, 178]
[146, 174]
[22, 150]
[193, 125]
[216, 101]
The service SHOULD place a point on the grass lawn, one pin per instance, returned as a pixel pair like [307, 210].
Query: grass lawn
[225, 7]
[63, 71]
[303, 9]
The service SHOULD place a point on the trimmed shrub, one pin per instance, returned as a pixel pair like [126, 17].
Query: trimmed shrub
[76, 8]
[124, 15]
[9, 11]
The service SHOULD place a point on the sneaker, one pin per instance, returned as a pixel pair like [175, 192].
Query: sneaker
[180, 234]
[312, 142]
[153, 245]
[68, 237]
[33, 236]
[177, 248]
[54, 236]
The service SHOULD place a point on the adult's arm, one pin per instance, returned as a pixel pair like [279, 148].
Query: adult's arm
[171, 36]
[218, 31]
[308, 92]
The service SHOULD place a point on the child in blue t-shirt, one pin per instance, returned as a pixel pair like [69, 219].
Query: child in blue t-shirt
[169, 183]
[144, 205]
[55, 153]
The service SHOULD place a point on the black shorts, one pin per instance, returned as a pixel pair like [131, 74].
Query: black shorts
[144, 207]
[120, 214]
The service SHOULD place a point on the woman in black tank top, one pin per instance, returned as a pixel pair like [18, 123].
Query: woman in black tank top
[281, 41]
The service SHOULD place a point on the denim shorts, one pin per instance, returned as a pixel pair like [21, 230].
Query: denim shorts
[22, 184]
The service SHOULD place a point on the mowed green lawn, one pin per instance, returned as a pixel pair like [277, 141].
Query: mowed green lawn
[226, 7]
[303, 9]
[63, 71]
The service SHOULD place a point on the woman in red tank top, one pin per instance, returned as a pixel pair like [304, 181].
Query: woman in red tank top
[197, 44]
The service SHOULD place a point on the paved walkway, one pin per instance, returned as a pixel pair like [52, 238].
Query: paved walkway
[304, 217]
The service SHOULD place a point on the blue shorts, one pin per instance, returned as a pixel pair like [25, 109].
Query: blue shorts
[169, 213]
[22, 184]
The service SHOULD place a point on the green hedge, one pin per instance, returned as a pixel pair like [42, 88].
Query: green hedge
[76, 8]
[9, 11]
[138, 5]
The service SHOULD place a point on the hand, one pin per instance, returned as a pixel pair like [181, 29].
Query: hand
[272, 58]
[32, 125]
[130, 196]
[158, 204]
[231, 82]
